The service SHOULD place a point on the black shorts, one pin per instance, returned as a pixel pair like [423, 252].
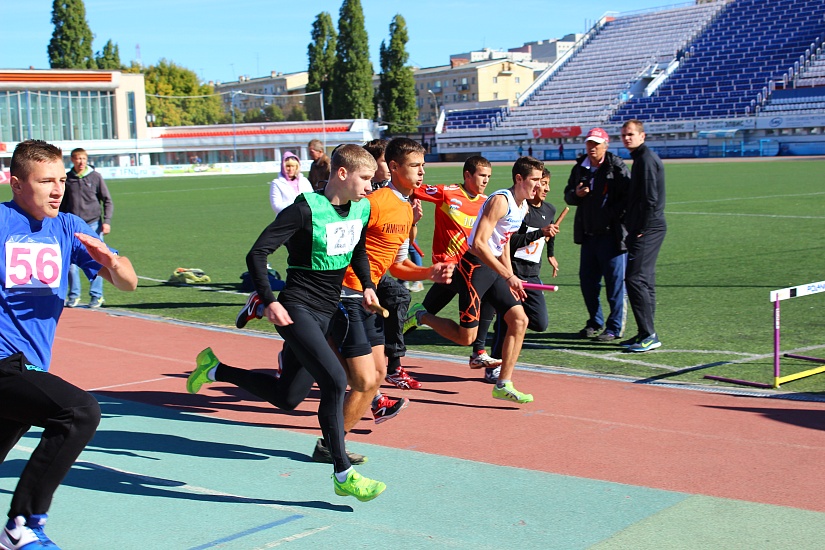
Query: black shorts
[355, 330]
[475, 281]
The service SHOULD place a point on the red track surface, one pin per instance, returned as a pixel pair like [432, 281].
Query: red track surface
[753, 449]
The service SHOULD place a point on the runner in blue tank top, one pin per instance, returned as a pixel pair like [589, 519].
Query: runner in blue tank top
[38, 245]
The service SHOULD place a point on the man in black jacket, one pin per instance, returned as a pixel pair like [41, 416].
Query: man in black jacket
[598, 188]
[646, 227]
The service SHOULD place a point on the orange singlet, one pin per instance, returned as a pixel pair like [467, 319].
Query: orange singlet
[389, 226]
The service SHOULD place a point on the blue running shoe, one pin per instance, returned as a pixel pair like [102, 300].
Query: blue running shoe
[26, 534]
[645, 344]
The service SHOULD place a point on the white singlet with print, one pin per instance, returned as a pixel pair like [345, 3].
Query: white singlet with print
[506, 226]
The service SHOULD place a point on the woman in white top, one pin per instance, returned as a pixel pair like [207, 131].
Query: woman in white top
[290, 184]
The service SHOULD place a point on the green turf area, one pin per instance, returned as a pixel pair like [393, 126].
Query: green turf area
[737, 230]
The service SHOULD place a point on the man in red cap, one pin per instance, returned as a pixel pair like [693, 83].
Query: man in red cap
[597, 187]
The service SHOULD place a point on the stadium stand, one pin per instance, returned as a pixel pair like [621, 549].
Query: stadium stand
[588, 87]
[731, 68]
[814, 75]
[799, 101]
[474, 118]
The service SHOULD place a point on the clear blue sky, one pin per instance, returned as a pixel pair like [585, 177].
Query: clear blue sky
[221, 40]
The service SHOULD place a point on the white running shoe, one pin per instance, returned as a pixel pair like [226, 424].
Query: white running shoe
[480, 360]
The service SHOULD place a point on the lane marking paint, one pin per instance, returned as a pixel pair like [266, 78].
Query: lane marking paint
[298, 536]
[247, 532]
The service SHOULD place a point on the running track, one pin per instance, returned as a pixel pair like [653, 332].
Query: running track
[593, 463]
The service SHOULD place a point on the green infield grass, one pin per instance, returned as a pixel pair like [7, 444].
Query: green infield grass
[736, 231]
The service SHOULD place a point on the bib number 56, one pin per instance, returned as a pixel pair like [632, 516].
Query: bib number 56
[32, 264]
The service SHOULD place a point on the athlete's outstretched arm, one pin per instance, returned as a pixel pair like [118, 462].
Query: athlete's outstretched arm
[116, 269]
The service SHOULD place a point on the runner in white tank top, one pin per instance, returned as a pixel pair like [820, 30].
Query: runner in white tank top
[485, 271]
[505, 226]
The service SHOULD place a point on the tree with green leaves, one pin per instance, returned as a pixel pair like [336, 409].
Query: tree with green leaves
[71, 43]
[396, 88]
[297, 114]
[352, 75]
[321, 53]
[109, 57]
[177, 98]
[270, 113]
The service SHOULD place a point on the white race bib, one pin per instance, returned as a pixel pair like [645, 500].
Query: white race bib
[532, 251]
[33, 265]
[343, 236]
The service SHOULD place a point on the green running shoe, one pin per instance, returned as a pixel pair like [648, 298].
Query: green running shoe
[206, 361]
[411, 322]
[509, 393]
[358, 486]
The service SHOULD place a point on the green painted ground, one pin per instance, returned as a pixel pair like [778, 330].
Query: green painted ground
[158, 478]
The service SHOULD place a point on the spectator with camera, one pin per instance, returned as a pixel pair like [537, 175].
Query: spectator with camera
[598, 187]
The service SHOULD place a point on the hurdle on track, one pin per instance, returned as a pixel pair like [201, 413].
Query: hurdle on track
[776, 297]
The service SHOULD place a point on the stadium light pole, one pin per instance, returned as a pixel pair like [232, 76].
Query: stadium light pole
[323, 122]
[234, 141]
[437, 110]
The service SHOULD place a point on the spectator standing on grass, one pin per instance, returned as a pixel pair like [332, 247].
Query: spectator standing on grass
[87, 197]
[284, 189]
[320, 168]
[646, 228]
[39, 245]
[597, 187]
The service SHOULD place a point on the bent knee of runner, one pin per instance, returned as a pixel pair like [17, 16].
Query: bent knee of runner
[362, 375]
[85, 418]
[517, 320]
[466, 336]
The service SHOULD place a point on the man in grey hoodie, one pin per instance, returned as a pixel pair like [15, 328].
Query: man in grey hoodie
[85, 193]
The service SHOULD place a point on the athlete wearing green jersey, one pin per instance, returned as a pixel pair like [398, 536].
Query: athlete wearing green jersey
[323, 234]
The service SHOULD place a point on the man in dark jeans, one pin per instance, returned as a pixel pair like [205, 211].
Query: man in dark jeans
[646, 227]
[597, 187]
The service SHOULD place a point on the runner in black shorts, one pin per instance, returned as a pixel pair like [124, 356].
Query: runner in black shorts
[485, 272]
[387, 241]
[323, 234]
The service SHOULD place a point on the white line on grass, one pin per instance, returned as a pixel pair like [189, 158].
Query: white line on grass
[739, 214]
[620, 356]
[189, 190]
[737, 199]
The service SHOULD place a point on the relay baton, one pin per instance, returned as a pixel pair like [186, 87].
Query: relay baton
[562, 215]
[536, 286]
[417, 248]
[375, 308]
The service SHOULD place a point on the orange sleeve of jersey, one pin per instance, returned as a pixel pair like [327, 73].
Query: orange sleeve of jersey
[430, 193]
[388, 227]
